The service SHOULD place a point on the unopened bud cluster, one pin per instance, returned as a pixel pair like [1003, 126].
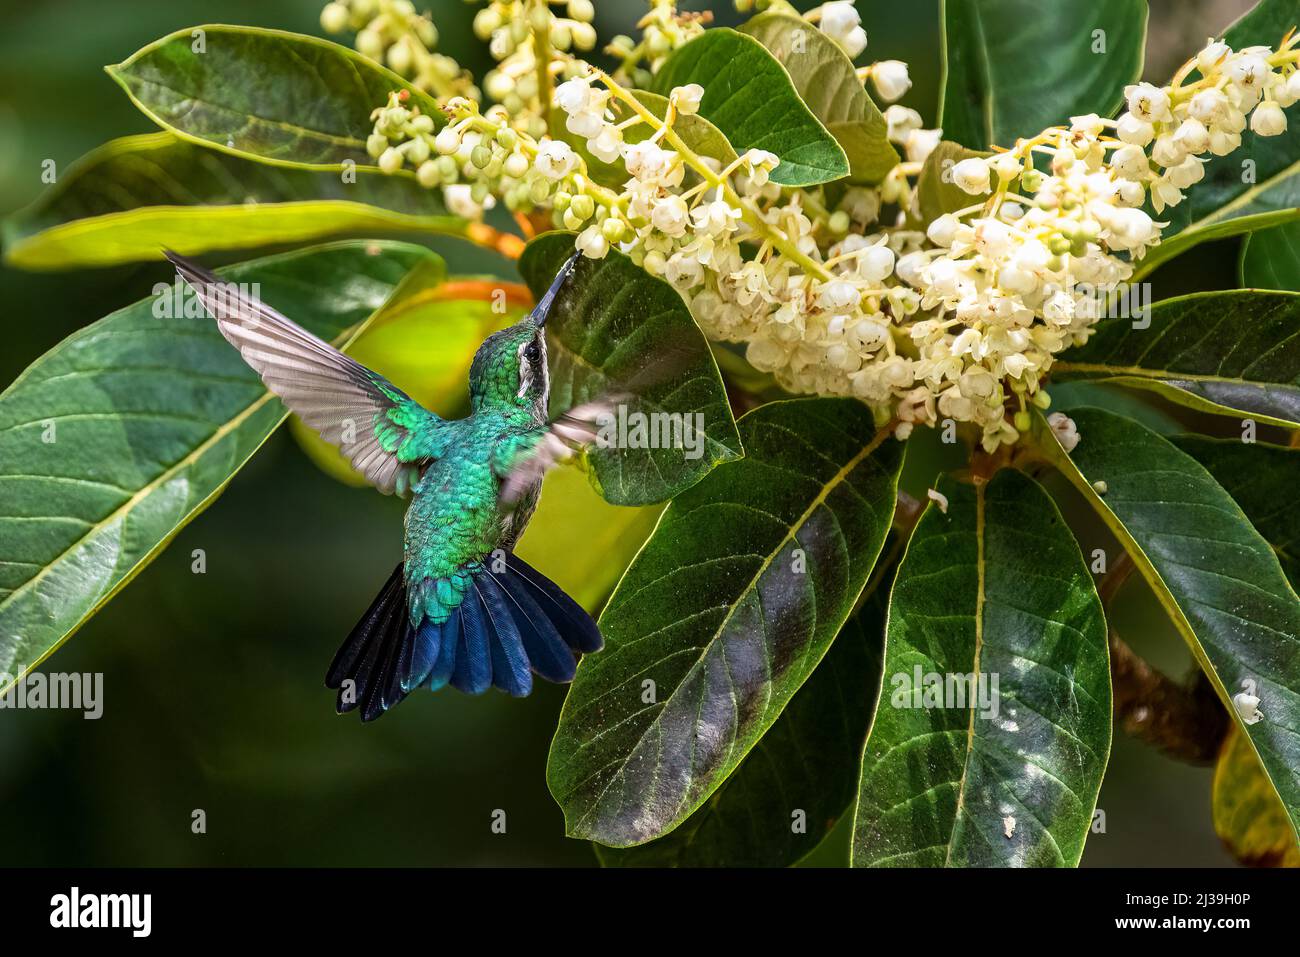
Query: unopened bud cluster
[391, 32]
[663, 30]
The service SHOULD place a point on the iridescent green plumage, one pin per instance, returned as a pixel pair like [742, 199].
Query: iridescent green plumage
[461, 608]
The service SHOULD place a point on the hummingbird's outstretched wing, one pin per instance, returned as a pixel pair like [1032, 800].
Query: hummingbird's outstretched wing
[384, 433]
[522, 460]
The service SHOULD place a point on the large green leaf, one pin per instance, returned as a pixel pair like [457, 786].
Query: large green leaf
[723, 615]
[619, 330]
[264, 94]
[1262, 479]
[1215, 575]
[1270, 258]
[1008, 775]
[827, 82]
[790, 790]
[117, 437]
[135, 196]
[1012, 68]
[1235, 351]
[750, 97]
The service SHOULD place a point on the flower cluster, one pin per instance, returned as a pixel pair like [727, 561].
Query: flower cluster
[1019, 277]
[530, 43]
[663, 30]
[842, 291]
[391, 32]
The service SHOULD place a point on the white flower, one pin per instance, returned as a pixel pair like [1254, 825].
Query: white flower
[651, 164]
[1248, 71]
[1007, 165]
[688, 98]
[572, 96]
[1247, 706]
[1212, 54]
[586, 125]
[919, 144]
[760, 163]
[1146, 102]
[1268, 119]
[592, 243]
[1067, 433]
[840, 22]
[607, 145]
[972, 175]
[683, 271]
[890, 79]
[876, 263]
[670, 216]
[901, 120]
[1130, 161]
[1133, 130]
[1192, 135]
[460, 201]
[1209, 106]
[839, 296]
[943, 229]
[555, 159]
[1187, 173]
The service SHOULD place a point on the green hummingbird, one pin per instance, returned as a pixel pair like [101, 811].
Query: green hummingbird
[461, 608]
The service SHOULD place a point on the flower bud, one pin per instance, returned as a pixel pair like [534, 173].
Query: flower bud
[390, 161]
[376, 143]
[334, 18]
[1268, 119]
[891, 80]
[428, 174]
[972, 176]
[447, 142]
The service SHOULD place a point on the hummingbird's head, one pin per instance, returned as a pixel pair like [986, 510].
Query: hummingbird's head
[509, 369]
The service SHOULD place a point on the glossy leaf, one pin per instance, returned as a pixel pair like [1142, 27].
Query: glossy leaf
[135, 196]
[1012, 68]
[1270, 258]
[268, 95]
[117, 437]
[749, 96]
[1248, 817]
[1007, 775]
[721, 618]
[1262, 479]
[827, 82]
[1259, 179]
[790, 790]
[696, 132]
[1219, 351]
[618, 330]
[1214, 574]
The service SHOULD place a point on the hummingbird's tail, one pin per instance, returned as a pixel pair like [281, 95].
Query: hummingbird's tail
[512, 622]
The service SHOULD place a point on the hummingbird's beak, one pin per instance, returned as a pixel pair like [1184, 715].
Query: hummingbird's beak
[542, 311]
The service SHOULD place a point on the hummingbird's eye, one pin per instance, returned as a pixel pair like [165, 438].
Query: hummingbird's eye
[532, 353]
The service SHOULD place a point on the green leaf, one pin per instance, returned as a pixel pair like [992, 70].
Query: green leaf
[117, 437]
[750, 97]
[1270, 258]
[1248, 817]
[723, 615]
[1262, 479]
[267, 95]
[134, 196]
[1012, 68]
[620, 330]
[1236, 352]
[1214, 574]
[1006, 775]
[696, 132]
[1257, 185]
[936, 192]
[804, 769]
[828, 83]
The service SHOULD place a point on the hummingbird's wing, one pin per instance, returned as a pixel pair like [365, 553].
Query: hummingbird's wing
[384, 433]
[522, 460]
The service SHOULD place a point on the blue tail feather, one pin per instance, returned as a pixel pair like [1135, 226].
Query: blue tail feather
[511, 624]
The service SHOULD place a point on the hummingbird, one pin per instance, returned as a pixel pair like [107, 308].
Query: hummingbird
[460, 608]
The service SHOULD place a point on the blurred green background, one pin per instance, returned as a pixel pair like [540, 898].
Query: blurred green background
[214, 694]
